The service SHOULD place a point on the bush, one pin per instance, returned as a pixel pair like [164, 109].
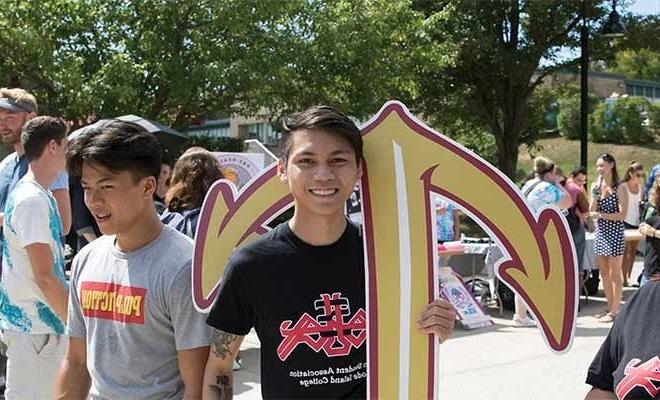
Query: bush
[621, 121]
[654, 117]
[568, 118]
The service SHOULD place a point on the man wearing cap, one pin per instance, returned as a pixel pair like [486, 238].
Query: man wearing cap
[17, 107]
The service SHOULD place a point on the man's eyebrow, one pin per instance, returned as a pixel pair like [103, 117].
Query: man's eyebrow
[311, 153]
[102, 180]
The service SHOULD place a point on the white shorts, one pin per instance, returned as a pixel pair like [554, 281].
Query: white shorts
[33, 362]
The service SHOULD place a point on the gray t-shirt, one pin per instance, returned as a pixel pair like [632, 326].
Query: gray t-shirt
[135, 311]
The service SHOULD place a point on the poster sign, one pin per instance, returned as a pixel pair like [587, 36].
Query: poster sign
[240, 167]
[467, 308]
[405, 162]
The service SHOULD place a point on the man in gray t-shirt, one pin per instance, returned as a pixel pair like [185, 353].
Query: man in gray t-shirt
[135, 311]
[133, 330]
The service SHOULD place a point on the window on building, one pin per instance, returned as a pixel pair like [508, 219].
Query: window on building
[262, 131]
[648, 92]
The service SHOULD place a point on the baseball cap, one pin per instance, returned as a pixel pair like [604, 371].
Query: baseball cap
[16, 106]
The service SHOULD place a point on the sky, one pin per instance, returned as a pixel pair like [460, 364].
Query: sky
[644, 7]
[641, 7]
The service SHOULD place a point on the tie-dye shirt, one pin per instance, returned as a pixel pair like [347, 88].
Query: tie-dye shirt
[31, 216]
[542, 194]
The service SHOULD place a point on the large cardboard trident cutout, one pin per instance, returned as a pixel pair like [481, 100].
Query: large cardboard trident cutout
[404, 162]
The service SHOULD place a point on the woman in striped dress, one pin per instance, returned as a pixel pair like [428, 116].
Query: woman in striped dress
[609, 204]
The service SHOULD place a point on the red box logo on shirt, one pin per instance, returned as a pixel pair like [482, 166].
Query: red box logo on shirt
[114, 302]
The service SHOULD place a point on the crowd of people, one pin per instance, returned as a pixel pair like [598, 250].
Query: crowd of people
[613, 206]
[123, 325]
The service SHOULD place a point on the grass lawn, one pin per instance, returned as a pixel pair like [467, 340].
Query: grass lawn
[566, 154]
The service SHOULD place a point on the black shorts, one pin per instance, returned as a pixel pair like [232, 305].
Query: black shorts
[628, 226]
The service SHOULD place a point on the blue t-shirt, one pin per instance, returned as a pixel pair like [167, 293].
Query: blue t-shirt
[445, 222]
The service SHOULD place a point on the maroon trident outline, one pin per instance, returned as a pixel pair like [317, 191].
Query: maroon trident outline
[328, 331]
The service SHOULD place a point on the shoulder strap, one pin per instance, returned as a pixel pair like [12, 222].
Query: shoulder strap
[531, 187]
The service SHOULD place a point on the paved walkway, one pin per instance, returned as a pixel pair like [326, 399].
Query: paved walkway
[496, 363]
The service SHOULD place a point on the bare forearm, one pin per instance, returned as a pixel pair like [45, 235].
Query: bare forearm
[56, 295]
[218, 386]
[597, 394]
[613, 216]
[219, 375]
[73, 382]
[187, 395]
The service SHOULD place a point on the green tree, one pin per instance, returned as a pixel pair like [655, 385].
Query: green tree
[495, 66]
[642, 33]
[638, 64]
[174, 61]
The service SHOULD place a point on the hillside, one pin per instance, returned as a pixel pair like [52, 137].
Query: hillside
[566, 154]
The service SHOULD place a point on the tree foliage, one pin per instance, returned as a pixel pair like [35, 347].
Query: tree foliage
[496, 63]
[174, 61]
[638, 64]
[469, 67]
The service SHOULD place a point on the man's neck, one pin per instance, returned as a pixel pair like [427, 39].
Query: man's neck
[318, 230]
[43, 175]
[141, 233]
[18, 148]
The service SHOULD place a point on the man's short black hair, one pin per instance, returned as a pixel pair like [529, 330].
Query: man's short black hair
[326, 118]
[117, 146]
[38, 132]
[579, 170]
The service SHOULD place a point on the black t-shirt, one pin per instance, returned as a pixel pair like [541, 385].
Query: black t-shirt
[307, 304]
[652, 253]
[627, 362]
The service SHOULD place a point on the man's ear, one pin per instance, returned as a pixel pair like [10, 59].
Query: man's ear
[281, 170]
[150, 185]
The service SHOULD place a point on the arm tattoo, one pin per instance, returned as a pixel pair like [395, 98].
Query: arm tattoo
[223, 387]
[220, 343]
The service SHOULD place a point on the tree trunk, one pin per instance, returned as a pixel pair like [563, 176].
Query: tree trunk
[508, 156]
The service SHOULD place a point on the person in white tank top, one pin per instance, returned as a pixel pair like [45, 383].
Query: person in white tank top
[631, 180]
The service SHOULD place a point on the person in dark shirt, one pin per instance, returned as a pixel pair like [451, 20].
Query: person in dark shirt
[651, 229]
[627, 364]
[303, 274]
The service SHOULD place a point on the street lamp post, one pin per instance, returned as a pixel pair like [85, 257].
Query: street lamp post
[584, 89]
[613, 28]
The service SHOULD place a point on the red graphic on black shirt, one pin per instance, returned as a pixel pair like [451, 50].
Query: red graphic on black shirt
[643, 375]
[329, 331]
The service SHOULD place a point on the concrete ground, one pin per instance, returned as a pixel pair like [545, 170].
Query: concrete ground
[501, 362]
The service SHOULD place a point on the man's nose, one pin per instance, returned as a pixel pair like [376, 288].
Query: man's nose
[324, 172]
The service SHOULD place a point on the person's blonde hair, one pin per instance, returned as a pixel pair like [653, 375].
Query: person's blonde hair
[19, 95]
[543, 165]
[633, 169]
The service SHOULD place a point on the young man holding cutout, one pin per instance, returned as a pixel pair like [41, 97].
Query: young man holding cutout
[33, 292]
[305, 274]
[133, 330]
